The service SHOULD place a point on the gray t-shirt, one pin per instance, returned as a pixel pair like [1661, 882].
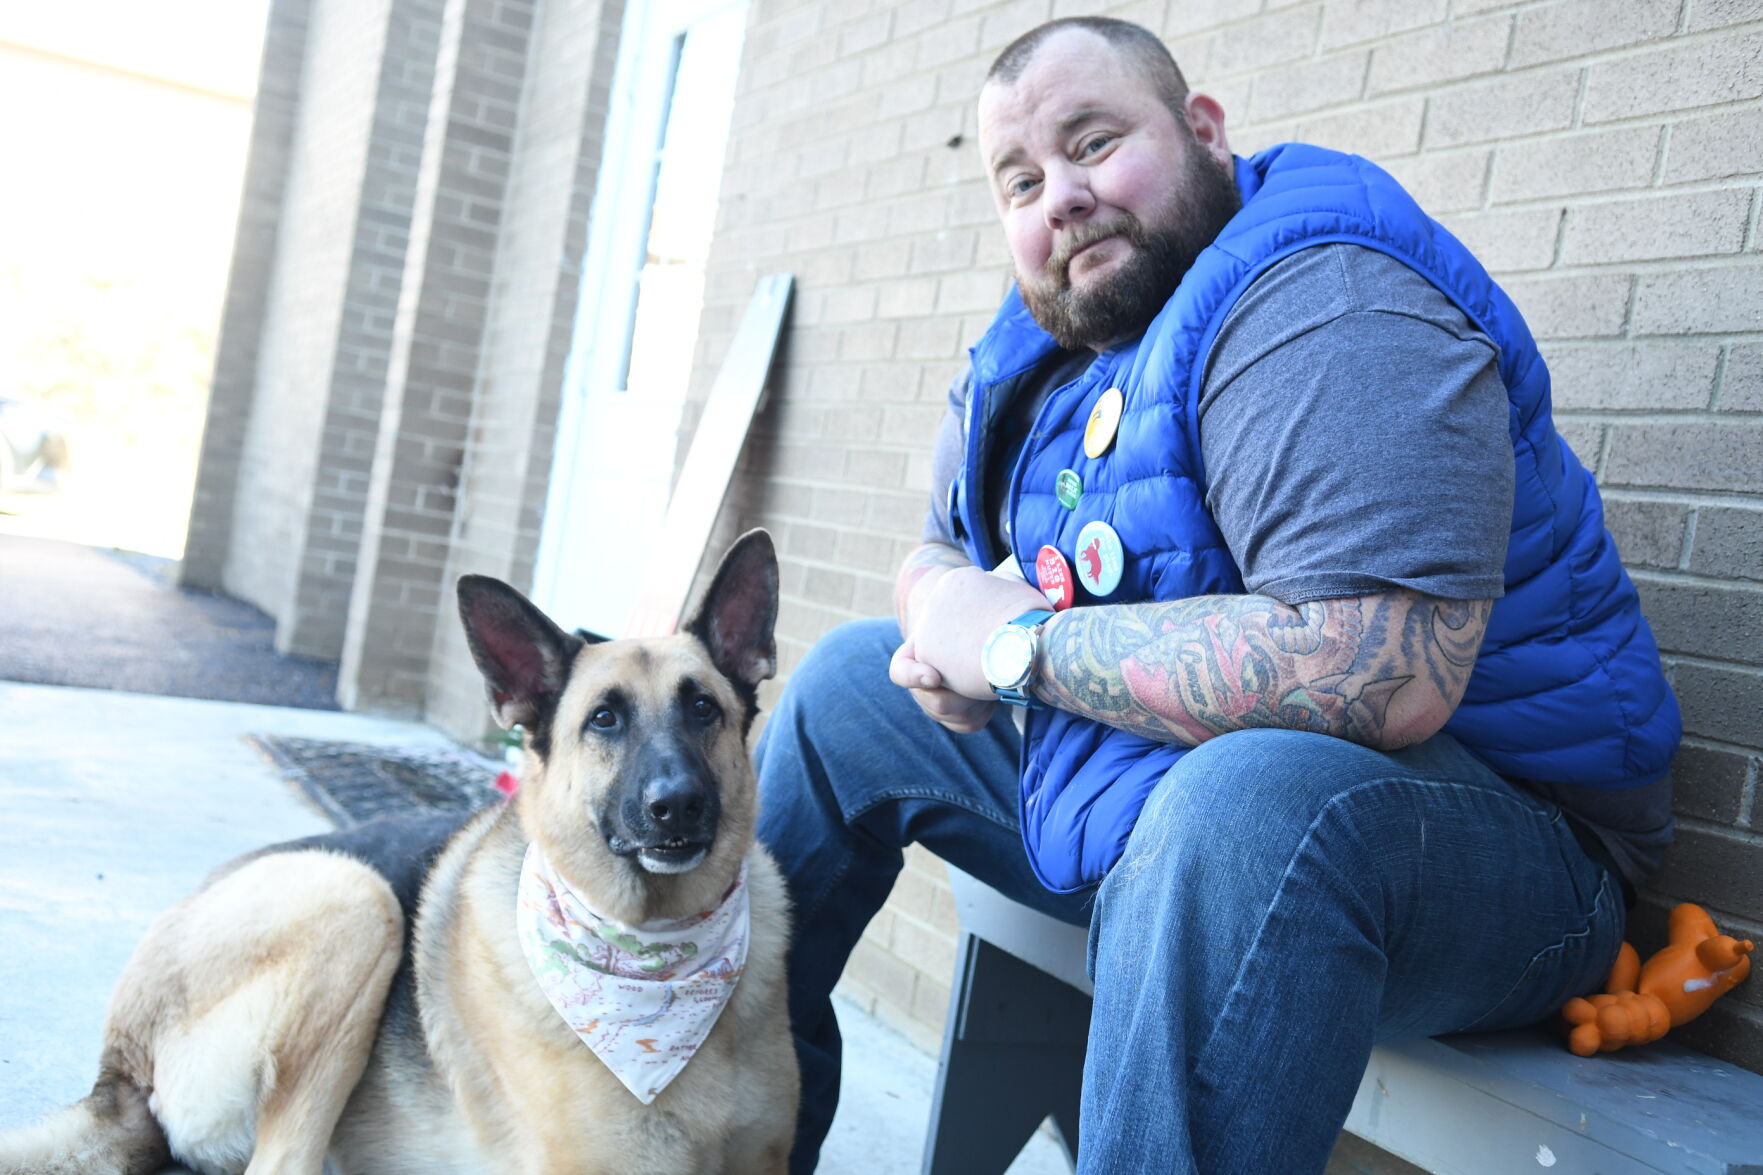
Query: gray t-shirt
[1356, 437]
[1355, 432]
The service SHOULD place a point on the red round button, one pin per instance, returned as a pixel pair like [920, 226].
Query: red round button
[1053, 574]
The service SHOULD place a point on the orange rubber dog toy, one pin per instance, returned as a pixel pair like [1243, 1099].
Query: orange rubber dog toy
[1678, 984]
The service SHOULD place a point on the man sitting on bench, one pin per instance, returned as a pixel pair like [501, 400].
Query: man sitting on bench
[1342, 720]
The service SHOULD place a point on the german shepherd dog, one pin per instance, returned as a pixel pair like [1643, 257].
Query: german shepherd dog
[366, 994]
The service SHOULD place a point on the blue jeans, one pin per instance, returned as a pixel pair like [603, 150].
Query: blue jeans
[1285, 901]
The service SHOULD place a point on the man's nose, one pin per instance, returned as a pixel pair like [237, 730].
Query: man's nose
[1067, 197]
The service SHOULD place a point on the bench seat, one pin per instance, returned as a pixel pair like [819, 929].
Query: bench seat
[1484, 1104]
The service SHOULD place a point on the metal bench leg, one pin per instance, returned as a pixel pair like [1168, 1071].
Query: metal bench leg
[1013, 1053]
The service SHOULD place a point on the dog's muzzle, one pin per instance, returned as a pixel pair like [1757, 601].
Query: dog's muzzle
[666, 822]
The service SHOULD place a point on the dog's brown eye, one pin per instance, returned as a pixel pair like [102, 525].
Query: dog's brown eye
[603, 718]
[705, 710]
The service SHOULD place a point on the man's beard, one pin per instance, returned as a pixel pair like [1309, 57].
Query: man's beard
[1125, 302]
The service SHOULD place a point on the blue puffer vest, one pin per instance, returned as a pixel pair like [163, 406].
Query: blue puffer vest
[1568, 687]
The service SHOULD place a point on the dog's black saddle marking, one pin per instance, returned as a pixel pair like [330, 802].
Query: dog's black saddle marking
[401, 849]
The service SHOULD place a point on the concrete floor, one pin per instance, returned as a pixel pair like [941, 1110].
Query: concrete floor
[116, 803]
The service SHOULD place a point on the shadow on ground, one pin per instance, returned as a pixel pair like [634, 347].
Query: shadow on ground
[86, 616]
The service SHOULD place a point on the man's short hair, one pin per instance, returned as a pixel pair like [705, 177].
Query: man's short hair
[1138, 44]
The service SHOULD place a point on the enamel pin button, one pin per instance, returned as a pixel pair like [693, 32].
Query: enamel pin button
[1068, 487]
[1100, 559]
[1053, 575]
[1104, 422]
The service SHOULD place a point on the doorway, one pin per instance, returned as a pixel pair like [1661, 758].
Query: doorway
[642, 291]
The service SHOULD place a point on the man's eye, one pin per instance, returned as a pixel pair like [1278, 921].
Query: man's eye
[603, 718]
[1021, 186]
[1091, 146]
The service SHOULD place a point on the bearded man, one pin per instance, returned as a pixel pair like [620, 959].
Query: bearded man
[1341, 719]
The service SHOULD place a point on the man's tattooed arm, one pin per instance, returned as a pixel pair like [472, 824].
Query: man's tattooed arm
[923, 562]
[1385, 670]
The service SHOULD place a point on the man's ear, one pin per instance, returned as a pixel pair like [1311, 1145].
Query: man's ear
[738, 614]
[523, 656]
[1206, 120]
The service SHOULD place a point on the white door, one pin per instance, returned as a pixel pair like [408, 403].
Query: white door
[642, 290]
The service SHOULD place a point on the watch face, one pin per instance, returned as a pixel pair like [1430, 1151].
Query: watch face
[1008, 656]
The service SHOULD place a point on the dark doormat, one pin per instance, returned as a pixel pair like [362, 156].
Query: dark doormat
[356, 782]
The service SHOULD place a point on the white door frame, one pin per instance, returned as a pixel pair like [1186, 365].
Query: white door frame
[592, 527]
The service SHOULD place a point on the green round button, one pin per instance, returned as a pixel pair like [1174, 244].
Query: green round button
[1068, 488]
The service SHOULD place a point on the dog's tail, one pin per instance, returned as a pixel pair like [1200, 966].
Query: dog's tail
[111, 1132]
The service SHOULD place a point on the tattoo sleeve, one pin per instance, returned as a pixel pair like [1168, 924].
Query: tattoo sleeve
[918, 564]
[1385, 670]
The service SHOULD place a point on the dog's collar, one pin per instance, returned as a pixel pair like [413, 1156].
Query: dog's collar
[643, 998]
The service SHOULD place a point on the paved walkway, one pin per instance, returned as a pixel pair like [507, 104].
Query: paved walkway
[117, 803]
[88, 616]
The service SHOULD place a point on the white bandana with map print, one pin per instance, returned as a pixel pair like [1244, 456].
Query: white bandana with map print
[644, 997]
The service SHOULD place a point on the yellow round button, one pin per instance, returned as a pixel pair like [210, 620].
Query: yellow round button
[1104, 422]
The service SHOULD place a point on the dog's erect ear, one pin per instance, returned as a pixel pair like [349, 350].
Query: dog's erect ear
[524, 657]
[737, 615]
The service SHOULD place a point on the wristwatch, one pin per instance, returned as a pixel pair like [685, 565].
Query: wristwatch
[1008, 658]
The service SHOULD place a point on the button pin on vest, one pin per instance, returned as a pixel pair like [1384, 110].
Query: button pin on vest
[1068, 487]
[1100, 558]
[1104, 423]
[1053, 576]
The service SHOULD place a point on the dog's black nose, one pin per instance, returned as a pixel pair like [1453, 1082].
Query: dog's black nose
[675, 803]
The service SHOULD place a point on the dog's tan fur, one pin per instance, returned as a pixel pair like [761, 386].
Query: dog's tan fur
[249, 1021]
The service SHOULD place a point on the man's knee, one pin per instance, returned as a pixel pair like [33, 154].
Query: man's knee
[1252, 791]
[830, 714]
[844, 670]
[852, 657]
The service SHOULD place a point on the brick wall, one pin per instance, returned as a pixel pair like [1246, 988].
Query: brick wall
[274, 115]
[387, 381]
[332, 512]
[303, 390]
[281, 443]
[1603, 159]
[532, 308]
[437, 334]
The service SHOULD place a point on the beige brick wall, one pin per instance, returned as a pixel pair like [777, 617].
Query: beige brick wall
[1604, 159]
[333, 510]
[388, 375]
[328, 156]
[278, 516]
[531, 316]
[399, 595]
[275, 113]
